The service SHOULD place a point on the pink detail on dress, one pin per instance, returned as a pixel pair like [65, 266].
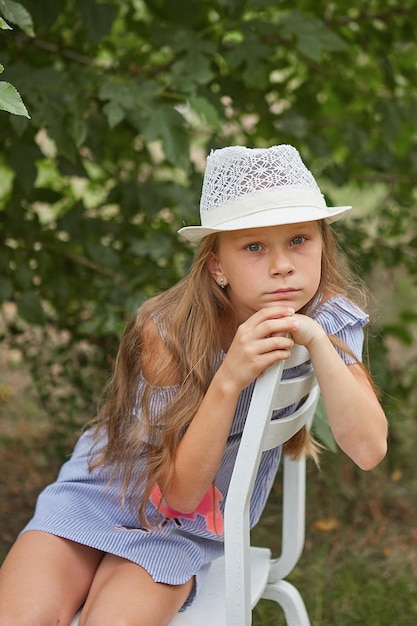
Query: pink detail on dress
[209, 509]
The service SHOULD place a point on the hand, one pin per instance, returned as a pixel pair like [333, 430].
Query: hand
[306, 330]
[263, 339]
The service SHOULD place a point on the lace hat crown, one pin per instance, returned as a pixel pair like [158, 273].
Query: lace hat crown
[256, 187]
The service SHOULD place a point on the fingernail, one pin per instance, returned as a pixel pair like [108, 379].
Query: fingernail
[291, 311]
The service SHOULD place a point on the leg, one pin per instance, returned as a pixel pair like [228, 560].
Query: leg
[124, 593]
[44, 579]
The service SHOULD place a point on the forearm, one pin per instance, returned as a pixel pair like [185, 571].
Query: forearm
[355, 416]
[258, 343]
[200, 451]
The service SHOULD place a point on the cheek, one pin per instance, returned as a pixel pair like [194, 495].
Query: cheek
[314, 268]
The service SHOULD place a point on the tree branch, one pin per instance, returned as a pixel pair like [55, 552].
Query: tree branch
[54, 49]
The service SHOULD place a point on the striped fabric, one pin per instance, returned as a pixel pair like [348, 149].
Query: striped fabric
[84, 507]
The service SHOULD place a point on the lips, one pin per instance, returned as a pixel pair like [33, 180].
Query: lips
[285, 290]
[283, 294]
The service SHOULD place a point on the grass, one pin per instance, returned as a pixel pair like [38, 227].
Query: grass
[352, 592]
[359, 565]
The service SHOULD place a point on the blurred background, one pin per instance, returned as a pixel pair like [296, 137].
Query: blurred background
[108, 109]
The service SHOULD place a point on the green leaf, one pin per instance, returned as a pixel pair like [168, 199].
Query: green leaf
[409, 316]
[313, 38]
[295, 125]
[17, 14]
[96, 18]
[114, 113]
[22, 158]
[167, 124]
[185, 12]
[400, 332]
[206, 111]
[30, 308]
[6, 289]
[4, 25]
[103, 255]
[256, 65]
[78, 130]
[157, 246]
[127, 100]
[194, 69]
[11, 101]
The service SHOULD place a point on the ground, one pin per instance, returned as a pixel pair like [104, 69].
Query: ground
[25, 466]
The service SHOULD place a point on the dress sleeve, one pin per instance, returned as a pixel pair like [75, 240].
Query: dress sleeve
[345, 320]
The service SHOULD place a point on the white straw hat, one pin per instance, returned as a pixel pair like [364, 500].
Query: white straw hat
[255, 187]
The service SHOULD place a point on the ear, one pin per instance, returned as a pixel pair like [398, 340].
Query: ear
[214, 268]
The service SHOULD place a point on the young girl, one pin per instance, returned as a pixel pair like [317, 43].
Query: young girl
[135, 516]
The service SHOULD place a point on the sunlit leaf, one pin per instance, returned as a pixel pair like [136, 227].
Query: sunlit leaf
[11, 101]
[17, 14]
[4, 25]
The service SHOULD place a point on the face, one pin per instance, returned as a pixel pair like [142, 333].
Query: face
[268, 266]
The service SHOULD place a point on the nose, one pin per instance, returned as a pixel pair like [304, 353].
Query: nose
[281, 264]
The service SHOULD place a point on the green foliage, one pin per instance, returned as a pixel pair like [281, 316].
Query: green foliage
[10, 99]
[17, 14]
[127, 98]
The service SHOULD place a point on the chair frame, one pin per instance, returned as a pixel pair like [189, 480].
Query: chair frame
[262, 433]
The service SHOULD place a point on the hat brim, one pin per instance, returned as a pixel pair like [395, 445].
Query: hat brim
[272, 217]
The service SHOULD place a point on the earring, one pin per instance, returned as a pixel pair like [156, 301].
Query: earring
[222, 285]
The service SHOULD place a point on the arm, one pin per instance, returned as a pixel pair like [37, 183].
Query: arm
[356, 418]
[259, 342]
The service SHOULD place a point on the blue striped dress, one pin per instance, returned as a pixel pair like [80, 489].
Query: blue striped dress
[84, 507]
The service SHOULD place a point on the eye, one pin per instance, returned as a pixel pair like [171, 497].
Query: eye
[254, 247]
[298, 240]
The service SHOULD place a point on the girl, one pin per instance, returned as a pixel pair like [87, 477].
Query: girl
[135, 516]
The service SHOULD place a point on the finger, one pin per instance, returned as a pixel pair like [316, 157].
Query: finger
[264, 315]
[276, 343]
[272, 313]
[269, 358]
[276, 327]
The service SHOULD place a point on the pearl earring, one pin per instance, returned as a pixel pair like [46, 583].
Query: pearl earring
[222, 285]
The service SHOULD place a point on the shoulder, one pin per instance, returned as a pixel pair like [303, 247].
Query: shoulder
[156, 358]
[342, 318]
[338, 312]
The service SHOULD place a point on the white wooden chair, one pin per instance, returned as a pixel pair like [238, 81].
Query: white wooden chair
[236, 582]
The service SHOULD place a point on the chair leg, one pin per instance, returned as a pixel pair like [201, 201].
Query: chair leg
[290, 600]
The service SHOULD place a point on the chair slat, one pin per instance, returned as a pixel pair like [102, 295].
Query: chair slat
[292, 390]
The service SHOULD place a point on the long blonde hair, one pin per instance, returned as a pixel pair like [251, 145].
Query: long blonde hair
[193, 315]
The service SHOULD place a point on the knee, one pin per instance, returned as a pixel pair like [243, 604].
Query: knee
[96, 621]
[11, 617]
[14, 617]
[109, 618]
[13, 614]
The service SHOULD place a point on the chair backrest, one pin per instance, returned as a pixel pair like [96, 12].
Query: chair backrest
[262, 433]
